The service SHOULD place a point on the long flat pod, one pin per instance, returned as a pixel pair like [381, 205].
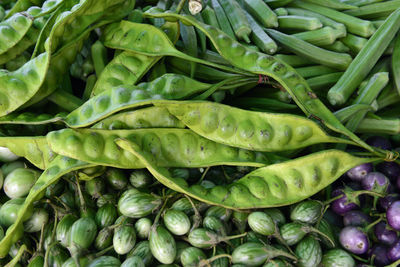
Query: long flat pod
[13, 29]
[34, 148]
[168, 86]
[275, 185]
[170, 147]
[259, 131]
[259, 63]
[60, 166]
[29, 118]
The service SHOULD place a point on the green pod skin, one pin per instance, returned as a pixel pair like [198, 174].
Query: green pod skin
[95, 187]
[237, 19]
[176, 148]
[143, 227]
[55, 189]
[221, 262]
[124, 239]
[13, 30]
[180, 246]
[309, 252]
[261, 11]
[253, 254]
[18, 62]
[116, 178]
[239, 219]
[8, 167]
[261, 223]
[39, 218]
[292, 233]
[9, 212]
[103, 239]
[151, 117]
[37, 261]
[177, 222]
[135, 204]
[203, 238]
[81, 235]
[214, 224]
[254, 131]
[105, 261]
[140, 178]
[68, 198]
[308, 211]
[142, 250]
[337, 257]
[84, 262]
[19, 182]
[63, 228]
[106, 215]
[1, 233]
[192, 256]
[57, 255]
[104, 199]
[162, 245]
[299, 23]
[220, 212]
[277, 216]
[134, 261]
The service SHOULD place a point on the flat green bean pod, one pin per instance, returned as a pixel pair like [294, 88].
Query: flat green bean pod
[34, 149]
[17, 87]
[252, 130]
[30, 118]
[151, 117]
[255, 62]
[275, 185]
[19, 6]
[168, 86]
[58, 167]
[49, 6]
[13, 29]
[170, 147]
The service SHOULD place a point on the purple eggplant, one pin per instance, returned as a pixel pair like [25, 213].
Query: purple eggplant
[393, 215]
[379, 252]
[394, 252]
[359, 172]
[354, 240]
[385, 235]
[379, 141]
[390, 169]
[356, 218]
[386, 201]
[376, 182]
[341, 205]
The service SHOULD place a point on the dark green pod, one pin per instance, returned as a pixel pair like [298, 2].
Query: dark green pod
[203, 238]
[37, 261]
[292, 233]
[177, 222]
[106, 215]
[57, 255]
[39, 218]
[81, 235]
[214, 224]
[239, 218]
[261, 223]
[142, 250]
[309, 252]
[140, 178]
[326, 228]
[221, 262]
[84, 262]
[192, 256]
[116, 178]
[9, 211]
[162, 245]
[307, 211]
[135, 204]
[103, 239]
[180, 246]
[124, 239]
[68, 198]
[337, 257]
[142, 227]
[55, 189]
[134, 261]
[95, 187]
[276, 215]
[106, 198]
[219, 212]
[254, 237]
[105, 261]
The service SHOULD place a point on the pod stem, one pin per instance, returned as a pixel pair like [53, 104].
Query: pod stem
[180, 6]
[278, 236]
[233, 237]
[315, 230]
[369, 226]
[104, 251]
[204, 174]
[273, 252]
[197, 216]
[160, 211]
[394, 264]
[207, 262]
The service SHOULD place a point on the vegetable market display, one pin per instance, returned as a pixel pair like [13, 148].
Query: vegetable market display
[200, 133]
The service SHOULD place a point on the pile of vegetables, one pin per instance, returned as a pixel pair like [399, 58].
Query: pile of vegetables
[200, 133]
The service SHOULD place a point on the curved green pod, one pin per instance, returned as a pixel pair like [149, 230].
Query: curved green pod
[251, 130]
[170, 147]
[258, 63]
[275, 185]
[151, 117]
[34, 149]
[58, 167]
[30, 118]
[13, 29]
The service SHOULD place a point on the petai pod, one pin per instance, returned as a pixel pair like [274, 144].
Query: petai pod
[251, 130]
[30, 118]
[151, 117]
[275, 185]
[258, 63]
[13, 29]
[170, 148]
[58, 167]
[34, 149]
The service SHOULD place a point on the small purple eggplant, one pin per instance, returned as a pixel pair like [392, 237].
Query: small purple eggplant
[356, 218]
[385, 235]
[379, 141]
[379, 252]
[393, 215]
[386, 201]
[341, 205]
[390, 169]
[354, 240]
[359, 172]
[376, 182]
[394, 252]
